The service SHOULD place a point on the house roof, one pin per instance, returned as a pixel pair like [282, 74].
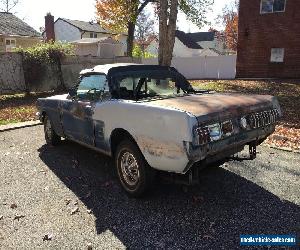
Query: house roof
[86, 26]
[186, 40]
[191, 39]
[12, 25]
[201, 36]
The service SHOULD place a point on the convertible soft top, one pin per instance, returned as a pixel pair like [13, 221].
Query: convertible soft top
[138, 70]
[110, 69]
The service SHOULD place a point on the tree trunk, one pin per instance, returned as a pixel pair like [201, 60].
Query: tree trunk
[167, 28]
[163, 28]
[130, 38]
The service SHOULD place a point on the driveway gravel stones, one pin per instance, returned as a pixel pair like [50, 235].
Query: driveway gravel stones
[48, 183]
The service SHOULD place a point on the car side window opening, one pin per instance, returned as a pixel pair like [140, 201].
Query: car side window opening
[146, 85]
[158, 87]
[91, 86]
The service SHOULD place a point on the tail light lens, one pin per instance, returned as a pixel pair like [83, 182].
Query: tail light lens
[227, 128]
[203, 135]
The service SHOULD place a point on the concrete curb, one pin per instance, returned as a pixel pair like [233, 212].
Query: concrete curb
[14, 126]
[284, 149]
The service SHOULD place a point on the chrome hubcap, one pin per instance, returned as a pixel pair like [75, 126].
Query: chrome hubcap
[48, 129]
[130, 169]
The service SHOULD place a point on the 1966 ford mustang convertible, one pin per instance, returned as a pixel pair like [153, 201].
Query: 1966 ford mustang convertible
[150, 118]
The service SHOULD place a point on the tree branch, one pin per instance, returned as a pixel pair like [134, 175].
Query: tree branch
[144, 4]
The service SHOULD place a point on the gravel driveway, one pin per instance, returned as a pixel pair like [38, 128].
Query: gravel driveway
[68, 197]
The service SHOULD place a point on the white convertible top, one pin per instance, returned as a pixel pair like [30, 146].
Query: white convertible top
[105, 68]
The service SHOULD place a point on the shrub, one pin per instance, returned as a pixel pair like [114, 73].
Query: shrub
[137, 52]
[46, 52]
[42, 59]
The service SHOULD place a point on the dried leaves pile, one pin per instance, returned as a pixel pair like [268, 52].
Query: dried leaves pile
[287, 134]
[18, 108]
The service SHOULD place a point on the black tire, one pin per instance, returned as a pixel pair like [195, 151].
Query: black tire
[50, 135]
[139, 179]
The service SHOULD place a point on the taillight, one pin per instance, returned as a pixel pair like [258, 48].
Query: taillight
[203, 135]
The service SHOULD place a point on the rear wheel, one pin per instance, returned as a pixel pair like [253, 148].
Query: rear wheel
[50, 136]
[134, 173]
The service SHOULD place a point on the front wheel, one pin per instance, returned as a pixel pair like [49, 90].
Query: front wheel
[134, 173]
[50, 135]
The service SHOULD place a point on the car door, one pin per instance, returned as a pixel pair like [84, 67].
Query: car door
[77, 111]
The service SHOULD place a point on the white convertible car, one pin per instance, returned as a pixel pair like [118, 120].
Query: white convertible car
[150, 118]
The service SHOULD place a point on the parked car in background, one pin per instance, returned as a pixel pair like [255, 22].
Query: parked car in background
[150, 118]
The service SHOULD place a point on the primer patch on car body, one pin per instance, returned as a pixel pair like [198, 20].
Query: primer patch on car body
[160, 148]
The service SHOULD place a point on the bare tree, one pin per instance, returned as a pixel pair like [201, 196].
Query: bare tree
[8, 5]
[144, 32]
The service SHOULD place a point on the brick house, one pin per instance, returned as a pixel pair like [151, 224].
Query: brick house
[269, 39]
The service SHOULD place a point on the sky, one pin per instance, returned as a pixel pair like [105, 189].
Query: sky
[33, 12]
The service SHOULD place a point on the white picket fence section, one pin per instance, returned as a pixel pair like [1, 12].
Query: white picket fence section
[209, 67]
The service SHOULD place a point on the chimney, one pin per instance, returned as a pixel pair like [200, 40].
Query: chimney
[49, 27]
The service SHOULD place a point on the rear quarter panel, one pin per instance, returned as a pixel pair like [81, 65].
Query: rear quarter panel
[159, 132]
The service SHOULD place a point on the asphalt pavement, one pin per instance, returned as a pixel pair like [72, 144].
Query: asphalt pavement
[68, 197]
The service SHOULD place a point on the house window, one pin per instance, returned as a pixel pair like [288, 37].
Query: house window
[10, 44]
[271, 6]
[93, 35]
[277, 55]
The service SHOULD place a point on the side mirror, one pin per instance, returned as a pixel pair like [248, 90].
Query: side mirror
[72, 92]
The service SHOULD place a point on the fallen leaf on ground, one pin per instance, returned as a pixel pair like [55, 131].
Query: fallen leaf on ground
[89, 246]
[47, 237]
[18, 217]
[1, 217]
[68, 201]
[75, 210]
[13, 206]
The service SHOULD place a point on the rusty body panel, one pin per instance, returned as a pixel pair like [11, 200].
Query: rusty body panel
[173, 133]
[218, 104]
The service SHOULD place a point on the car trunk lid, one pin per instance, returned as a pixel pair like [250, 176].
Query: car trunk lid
[218, 105]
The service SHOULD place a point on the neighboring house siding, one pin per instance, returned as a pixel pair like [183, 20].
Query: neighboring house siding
[86, 34]
[207, 44]
[215, 44]
[153, 48]
[259, 33]
[123, 39]
[23, 42]
[66, 32]
[27, 42]
[180, 50]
